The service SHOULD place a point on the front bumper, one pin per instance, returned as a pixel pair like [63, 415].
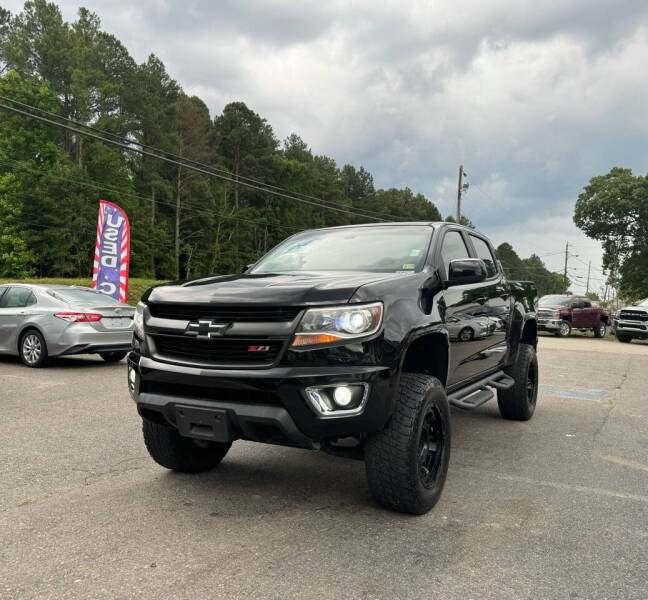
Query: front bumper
[637, 329]
[265, 405]
[549, 324]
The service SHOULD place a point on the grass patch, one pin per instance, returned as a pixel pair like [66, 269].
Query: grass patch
[136, 286]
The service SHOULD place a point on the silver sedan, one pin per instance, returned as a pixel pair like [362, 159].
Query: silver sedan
[38, 321]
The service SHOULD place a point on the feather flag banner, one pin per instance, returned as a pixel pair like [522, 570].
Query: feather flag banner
[112, 252]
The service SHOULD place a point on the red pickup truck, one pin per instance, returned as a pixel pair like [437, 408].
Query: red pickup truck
[562, 313]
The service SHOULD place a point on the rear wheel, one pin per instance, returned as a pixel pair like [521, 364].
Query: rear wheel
[622, 337]
[601, 330]
[564, 330]
[33, 349]
[407, 462]
[169, 449]
[111, 357]
[519, 401]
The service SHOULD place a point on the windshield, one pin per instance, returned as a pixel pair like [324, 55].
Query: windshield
[378, 249]
[554, 301]
[87, 297]
[644, 302]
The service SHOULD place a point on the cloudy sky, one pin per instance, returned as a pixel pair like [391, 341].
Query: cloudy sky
[534, 98]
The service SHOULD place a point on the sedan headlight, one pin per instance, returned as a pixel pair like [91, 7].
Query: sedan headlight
[138, 320]
[338, 323]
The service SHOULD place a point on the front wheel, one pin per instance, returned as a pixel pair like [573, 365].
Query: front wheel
[626, 339]
[407, 462]
[185, 455]
[564, 330]
[33, 349]
[601, 330]
[111, 357]
[519, 401]
[466, 334]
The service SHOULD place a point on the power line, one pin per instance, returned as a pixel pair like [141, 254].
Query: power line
[238, 179]
[128, 146]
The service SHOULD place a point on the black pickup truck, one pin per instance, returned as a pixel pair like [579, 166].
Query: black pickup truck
[338, 340]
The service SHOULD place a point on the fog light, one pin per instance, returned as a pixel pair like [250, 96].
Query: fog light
[342, 396]
[132, 378]
[339, 399]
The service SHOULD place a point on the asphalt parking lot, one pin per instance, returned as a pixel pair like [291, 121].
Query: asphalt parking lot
[553, 508]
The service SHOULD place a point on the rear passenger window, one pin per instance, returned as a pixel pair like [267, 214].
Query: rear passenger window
[17, 297]
[453, 248]
[483, 252]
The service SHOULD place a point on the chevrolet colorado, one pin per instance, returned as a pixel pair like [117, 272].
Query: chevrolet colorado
[338, 339]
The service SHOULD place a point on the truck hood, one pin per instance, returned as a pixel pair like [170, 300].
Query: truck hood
[268, 289]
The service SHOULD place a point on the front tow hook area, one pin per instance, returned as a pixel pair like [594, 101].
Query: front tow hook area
[204, 424]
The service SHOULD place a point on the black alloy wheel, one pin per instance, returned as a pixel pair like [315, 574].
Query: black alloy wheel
[431, 448]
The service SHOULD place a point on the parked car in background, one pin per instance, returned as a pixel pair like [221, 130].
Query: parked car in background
[465, 327]
[631, 322]
[561, 313]
[39, 321]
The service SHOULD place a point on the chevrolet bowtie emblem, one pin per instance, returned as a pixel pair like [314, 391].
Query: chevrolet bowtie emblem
[206, 329]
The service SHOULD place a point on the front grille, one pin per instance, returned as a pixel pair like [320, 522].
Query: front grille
[217, 351]
[632, 315]
[546, 313]
[226, 314]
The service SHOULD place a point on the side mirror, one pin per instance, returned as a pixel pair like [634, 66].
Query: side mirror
[466, 270]
[247, 267]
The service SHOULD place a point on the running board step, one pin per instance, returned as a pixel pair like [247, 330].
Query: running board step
[477, 393]
[474, 400]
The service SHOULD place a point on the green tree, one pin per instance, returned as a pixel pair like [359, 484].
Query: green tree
[613, 209]
[16, 260]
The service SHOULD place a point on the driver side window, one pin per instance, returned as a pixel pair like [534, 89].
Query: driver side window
[453, 248]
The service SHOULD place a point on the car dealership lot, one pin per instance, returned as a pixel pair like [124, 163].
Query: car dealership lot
[556, 507]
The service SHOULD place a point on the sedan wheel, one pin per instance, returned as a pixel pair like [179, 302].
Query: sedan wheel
[33, 350]
[466, 334]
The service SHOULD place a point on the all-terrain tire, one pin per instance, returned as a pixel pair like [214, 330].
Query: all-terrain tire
[407, 462]
[626, 339]
[601, 330]
[519, 401]
[565, 329]
[111, 357]
[169, 449]
[33, 349]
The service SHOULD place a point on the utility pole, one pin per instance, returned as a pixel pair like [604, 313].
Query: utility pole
[459, 191]
[565, 275]
[589, 266]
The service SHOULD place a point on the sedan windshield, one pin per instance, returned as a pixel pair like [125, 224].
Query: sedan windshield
[554, 301]
[377, 249]
[87, 297]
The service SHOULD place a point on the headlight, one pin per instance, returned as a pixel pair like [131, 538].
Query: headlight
[338, 323]
[138, 320]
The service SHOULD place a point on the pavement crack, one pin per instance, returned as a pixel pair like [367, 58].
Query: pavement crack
[613, 399]
[113, 469]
